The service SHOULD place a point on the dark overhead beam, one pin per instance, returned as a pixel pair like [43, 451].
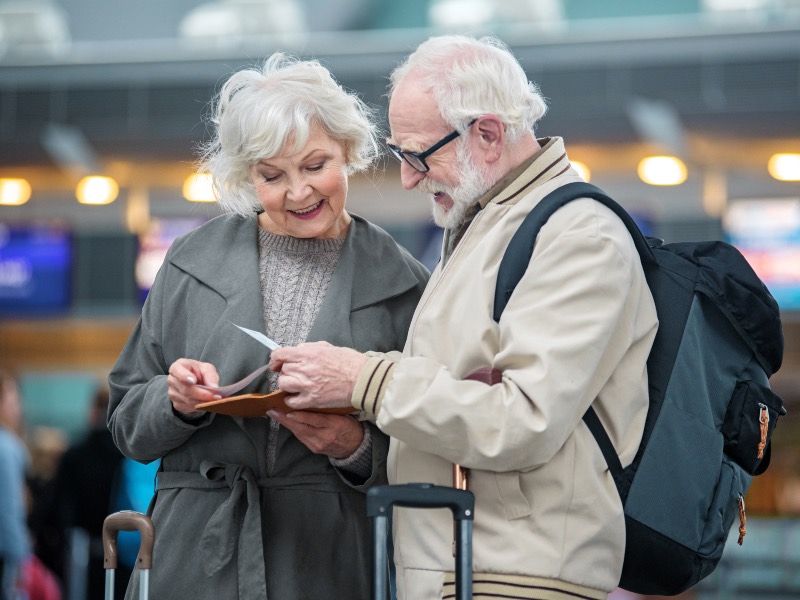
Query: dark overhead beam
[149, 98]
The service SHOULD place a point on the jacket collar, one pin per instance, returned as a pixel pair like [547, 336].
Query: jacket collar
[548, 162]
[545, 164]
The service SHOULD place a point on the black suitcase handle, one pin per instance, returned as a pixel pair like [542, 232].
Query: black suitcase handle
[420, 495]
[381, 500]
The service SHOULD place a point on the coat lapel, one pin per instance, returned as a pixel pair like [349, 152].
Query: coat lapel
[371, 269]
[234, 276]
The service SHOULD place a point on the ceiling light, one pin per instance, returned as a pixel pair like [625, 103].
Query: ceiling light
[582, 170]
[198, 187]
[14, 192]
[785, 166]
[662, 170]
[96, 189]
[461, 13]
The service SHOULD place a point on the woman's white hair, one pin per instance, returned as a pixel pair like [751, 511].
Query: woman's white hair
[471, 77]
[259, 111]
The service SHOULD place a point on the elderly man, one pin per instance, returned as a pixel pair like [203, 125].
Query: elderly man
[576, 332]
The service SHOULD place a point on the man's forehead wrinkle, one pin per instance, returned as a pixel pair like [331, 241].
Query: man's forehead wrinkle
[415, 123]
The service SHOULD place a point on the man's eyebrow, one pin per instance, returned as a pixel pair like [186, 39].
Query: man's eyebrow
[412, 147]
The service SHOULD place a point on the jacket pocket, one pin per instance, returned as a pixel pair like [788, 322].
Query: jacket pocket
[515, 504]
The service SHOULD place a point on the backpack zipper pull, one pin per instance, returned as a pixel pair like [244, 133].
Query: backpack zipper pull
[742, 520]
[763, 418]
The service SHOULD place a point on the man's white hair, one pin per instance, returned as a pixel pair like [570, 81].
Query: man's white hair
[471, 77]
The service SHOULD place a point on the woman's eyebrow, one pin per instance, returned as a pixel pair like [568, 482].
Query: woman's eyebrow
[265, 161]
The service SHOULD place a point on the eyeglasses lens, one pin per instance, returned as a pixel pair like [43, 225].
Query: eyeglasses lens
[414, 161]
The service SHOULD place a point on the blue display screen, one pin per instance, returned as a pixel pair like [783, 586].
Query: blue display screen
[767, 232]
[35, 269]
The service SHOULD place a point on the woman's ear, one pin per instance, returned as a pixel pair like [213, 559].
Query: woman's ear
[491, 137]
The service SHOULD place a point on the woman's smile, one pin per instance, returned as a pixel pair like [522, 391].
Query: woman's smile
[308, 213]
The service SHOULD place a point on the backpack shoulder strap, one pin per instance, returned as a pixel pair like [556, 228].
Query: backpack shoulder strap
[520, 248]
[606, 445]
[518, 255]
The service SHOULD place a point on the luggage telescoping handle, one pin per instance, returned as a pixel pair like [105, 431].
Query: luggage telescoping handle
[461, 503]
[128, 520]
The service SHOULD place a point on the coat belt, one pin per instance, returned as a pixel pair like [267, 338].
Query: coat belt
[219, 536]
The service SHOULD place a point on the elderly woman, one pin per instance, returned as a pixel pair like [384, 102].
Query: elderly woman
[251, 507]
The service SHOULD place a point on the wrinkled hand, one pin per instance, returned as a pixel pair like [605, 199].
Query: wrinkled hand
[184, 373]
[318, 374]
[337, 436]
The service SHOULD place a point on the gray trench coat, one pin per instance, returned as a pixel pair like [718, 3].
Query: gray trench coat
[224, 528]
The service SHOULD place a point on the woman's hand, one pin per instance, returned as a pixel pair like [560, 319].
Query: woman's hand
[336, 436]
[184, 373]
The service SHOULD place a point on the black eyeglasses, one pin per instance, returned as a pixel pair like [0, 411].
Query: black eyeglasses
[417, 159]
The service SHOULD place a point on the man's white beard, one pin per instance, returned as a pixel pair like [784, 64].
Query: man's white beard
[473, 184]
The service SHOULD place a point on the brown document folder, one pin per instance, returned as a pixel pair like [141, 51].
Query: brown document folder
[257, 405]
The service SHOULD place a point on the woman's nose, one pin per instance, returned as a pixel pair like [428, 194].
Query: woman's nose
[409, 176]
[298, 190]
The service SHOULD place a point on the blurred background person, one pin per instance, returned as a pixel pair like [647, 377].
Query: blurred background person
[14, 462]
[46, 446]
[82, 492]
[24, 575]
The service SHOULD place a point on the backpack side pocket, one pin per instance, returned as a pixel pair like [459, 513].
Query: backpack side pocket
[749, 423]
[724, 510]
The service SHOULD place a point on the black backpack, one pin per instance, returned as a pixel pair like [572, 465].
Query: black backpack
[711, 412]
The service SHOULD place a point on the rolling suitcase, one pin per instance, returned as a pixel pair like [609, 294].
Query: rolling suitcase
[128, 520]
[381, 500]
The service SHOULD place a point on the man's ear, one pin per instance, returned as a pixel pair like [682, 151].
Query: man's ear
[491, 137]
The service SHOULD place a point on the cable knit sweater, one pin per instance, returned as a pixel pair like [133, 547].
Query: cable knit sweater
[295, 274]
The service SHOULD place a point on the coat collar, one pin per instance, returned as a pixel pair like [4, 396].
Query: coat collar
[371, 268]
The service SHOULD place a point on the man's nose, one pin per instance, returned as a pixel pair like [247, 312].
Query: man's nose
[409, 176]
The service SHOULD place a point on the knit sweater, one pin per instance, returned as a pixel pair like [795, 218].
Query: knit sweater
[295, 274]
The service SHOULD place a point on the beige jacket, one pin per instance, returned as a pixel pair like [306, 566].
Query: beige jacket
[577, 331]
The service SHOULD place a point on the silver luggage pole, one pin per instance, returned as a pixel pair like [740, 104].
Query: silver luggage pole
[128, 520]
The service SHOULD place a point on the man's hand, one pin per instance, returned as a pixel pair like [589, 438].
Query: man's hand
[337, 436]
[184, 373]
[318, 374]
